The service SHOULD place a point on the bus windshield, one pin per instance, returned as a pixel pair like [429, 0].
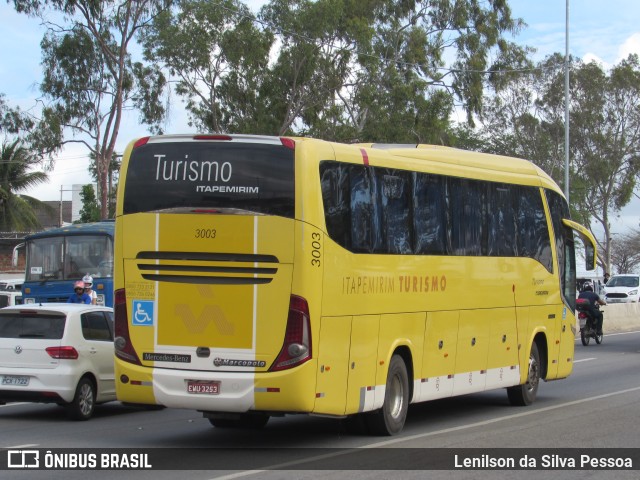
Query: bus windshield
[69, 257]
[258, 178]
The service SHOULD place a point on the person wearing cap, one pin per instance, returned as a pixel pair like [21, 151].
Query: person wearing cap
[88, 288]
[78, 295]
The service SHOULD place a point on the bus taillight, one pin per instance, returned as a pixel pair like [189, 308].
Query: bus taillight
[297, 338]
[140, 142]
[288, 142]
[123, 348]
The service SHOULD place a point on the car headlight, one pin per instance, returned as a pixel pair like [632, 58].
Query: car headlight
[633, 293]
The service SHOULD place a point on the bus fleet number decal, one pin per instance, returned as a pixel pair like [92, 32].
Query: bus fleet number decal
[205, 233]
[315, 249]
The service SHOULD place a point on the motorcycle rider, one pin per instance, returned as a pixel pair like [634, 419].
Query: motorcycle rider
[594, 300]
[88, 288]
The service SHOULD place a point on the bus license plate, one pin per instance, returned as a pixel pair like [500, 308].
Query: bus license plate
[204, 387]
[15, 380]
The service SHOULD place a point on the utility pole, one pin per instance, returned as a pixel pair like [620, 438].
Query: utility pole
[566, 108]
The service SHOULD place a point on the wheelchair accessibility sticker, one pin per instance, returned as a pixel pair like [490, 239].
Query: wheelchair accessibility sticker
[142, 313]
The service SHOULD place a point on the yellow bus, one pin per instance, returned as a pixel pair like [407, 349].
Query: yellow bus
[260, 276]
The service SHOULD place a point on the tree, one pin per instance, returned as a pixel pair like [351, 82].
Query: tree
[90, 76]
[90, 211]
[625, 252]
[17, 212]
[420, 57]
[374, 70]
[217, 57]
[526, 118]
[12, 120]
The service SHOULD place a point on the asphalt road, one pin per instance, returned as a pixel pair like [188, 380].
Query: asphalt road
[595, 409]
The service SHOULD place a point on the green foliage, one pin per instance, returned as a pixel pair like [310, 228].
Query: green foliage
[90, 76]
[90, 211]
[525, 118]
[13, 120]
[347, 70]
[17, 212]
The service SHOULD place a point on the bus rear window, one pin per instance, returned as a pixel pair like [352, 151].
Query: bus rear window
[182, 176]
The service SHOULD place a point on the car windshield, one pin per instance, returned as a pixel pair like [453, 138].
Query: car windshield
[623, 282]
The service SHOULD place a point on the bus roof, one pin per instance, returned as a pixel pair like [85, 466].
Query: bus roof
[516, 168]
[106, 227]
[511, 169]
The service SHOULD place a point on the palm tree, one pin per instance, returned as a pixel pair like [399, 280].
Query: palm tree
[17, 212]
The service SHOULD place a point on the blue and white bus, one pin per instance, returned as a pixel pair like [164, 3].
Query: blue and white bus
[57, 258]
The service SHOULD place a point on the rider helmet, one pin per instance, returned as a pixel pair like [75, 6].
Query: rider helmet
[88, 281]
[587, 287]
[78, 285]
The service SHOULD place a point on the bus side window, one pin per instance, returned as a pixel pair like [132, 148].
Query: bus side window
[500, 218]
[395, 189]
[467, 201]
[336, 195]
[365, 211]
[429, 214]
[532, 231]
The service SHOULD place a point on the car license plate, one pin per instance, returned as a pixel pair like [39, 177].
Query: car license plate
[15, 380]
[204, 387]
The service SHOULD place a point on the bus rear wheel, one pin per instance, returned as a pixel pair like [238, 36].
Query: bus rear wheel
[522, 395]
[390, 419]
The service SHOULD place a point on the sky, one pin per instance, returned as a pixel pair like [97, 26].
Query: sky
[599, 30]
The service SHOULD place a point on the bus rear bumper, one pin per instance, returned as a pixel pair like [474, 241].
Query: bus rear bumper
[234, 392]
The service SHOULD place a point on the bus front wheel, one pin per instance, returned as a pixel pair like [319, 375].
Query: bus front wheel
[525, 394]
[390, 419]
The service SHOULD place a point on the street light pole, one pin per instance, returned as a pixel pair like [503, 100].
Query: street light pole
[566, 107]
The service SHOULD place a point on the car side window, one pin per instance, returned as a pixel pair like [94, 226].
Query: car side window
[109, 316]
[95, 326]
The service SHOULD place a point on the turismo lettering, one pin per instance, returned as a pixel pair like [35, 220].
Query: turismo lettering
[420, 284]
[191, 170]
[381, 284]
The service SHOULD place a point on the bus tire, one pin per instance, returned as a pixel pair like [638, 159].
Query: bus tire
[390, 419]
[522, 395]
[84, 401]
[252, 420]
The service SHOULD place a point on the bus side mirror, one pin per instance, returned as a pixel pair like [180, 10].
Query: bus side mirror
[14, 255]
[590, 255]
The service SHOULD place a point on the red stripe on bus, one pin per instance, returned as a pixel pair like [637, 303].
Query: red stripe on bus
[365, 157]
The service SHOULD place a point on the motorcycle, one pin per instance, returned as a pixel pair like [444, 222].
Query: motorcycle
[587, 322]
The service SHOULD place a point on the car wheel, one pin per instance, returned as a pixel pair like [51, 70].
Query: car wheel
[84, 401]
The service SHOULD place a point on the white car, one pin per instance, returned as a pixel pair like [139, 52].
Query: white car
[57, 353]
[622, 289]
[11, 284]
[9, 298]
